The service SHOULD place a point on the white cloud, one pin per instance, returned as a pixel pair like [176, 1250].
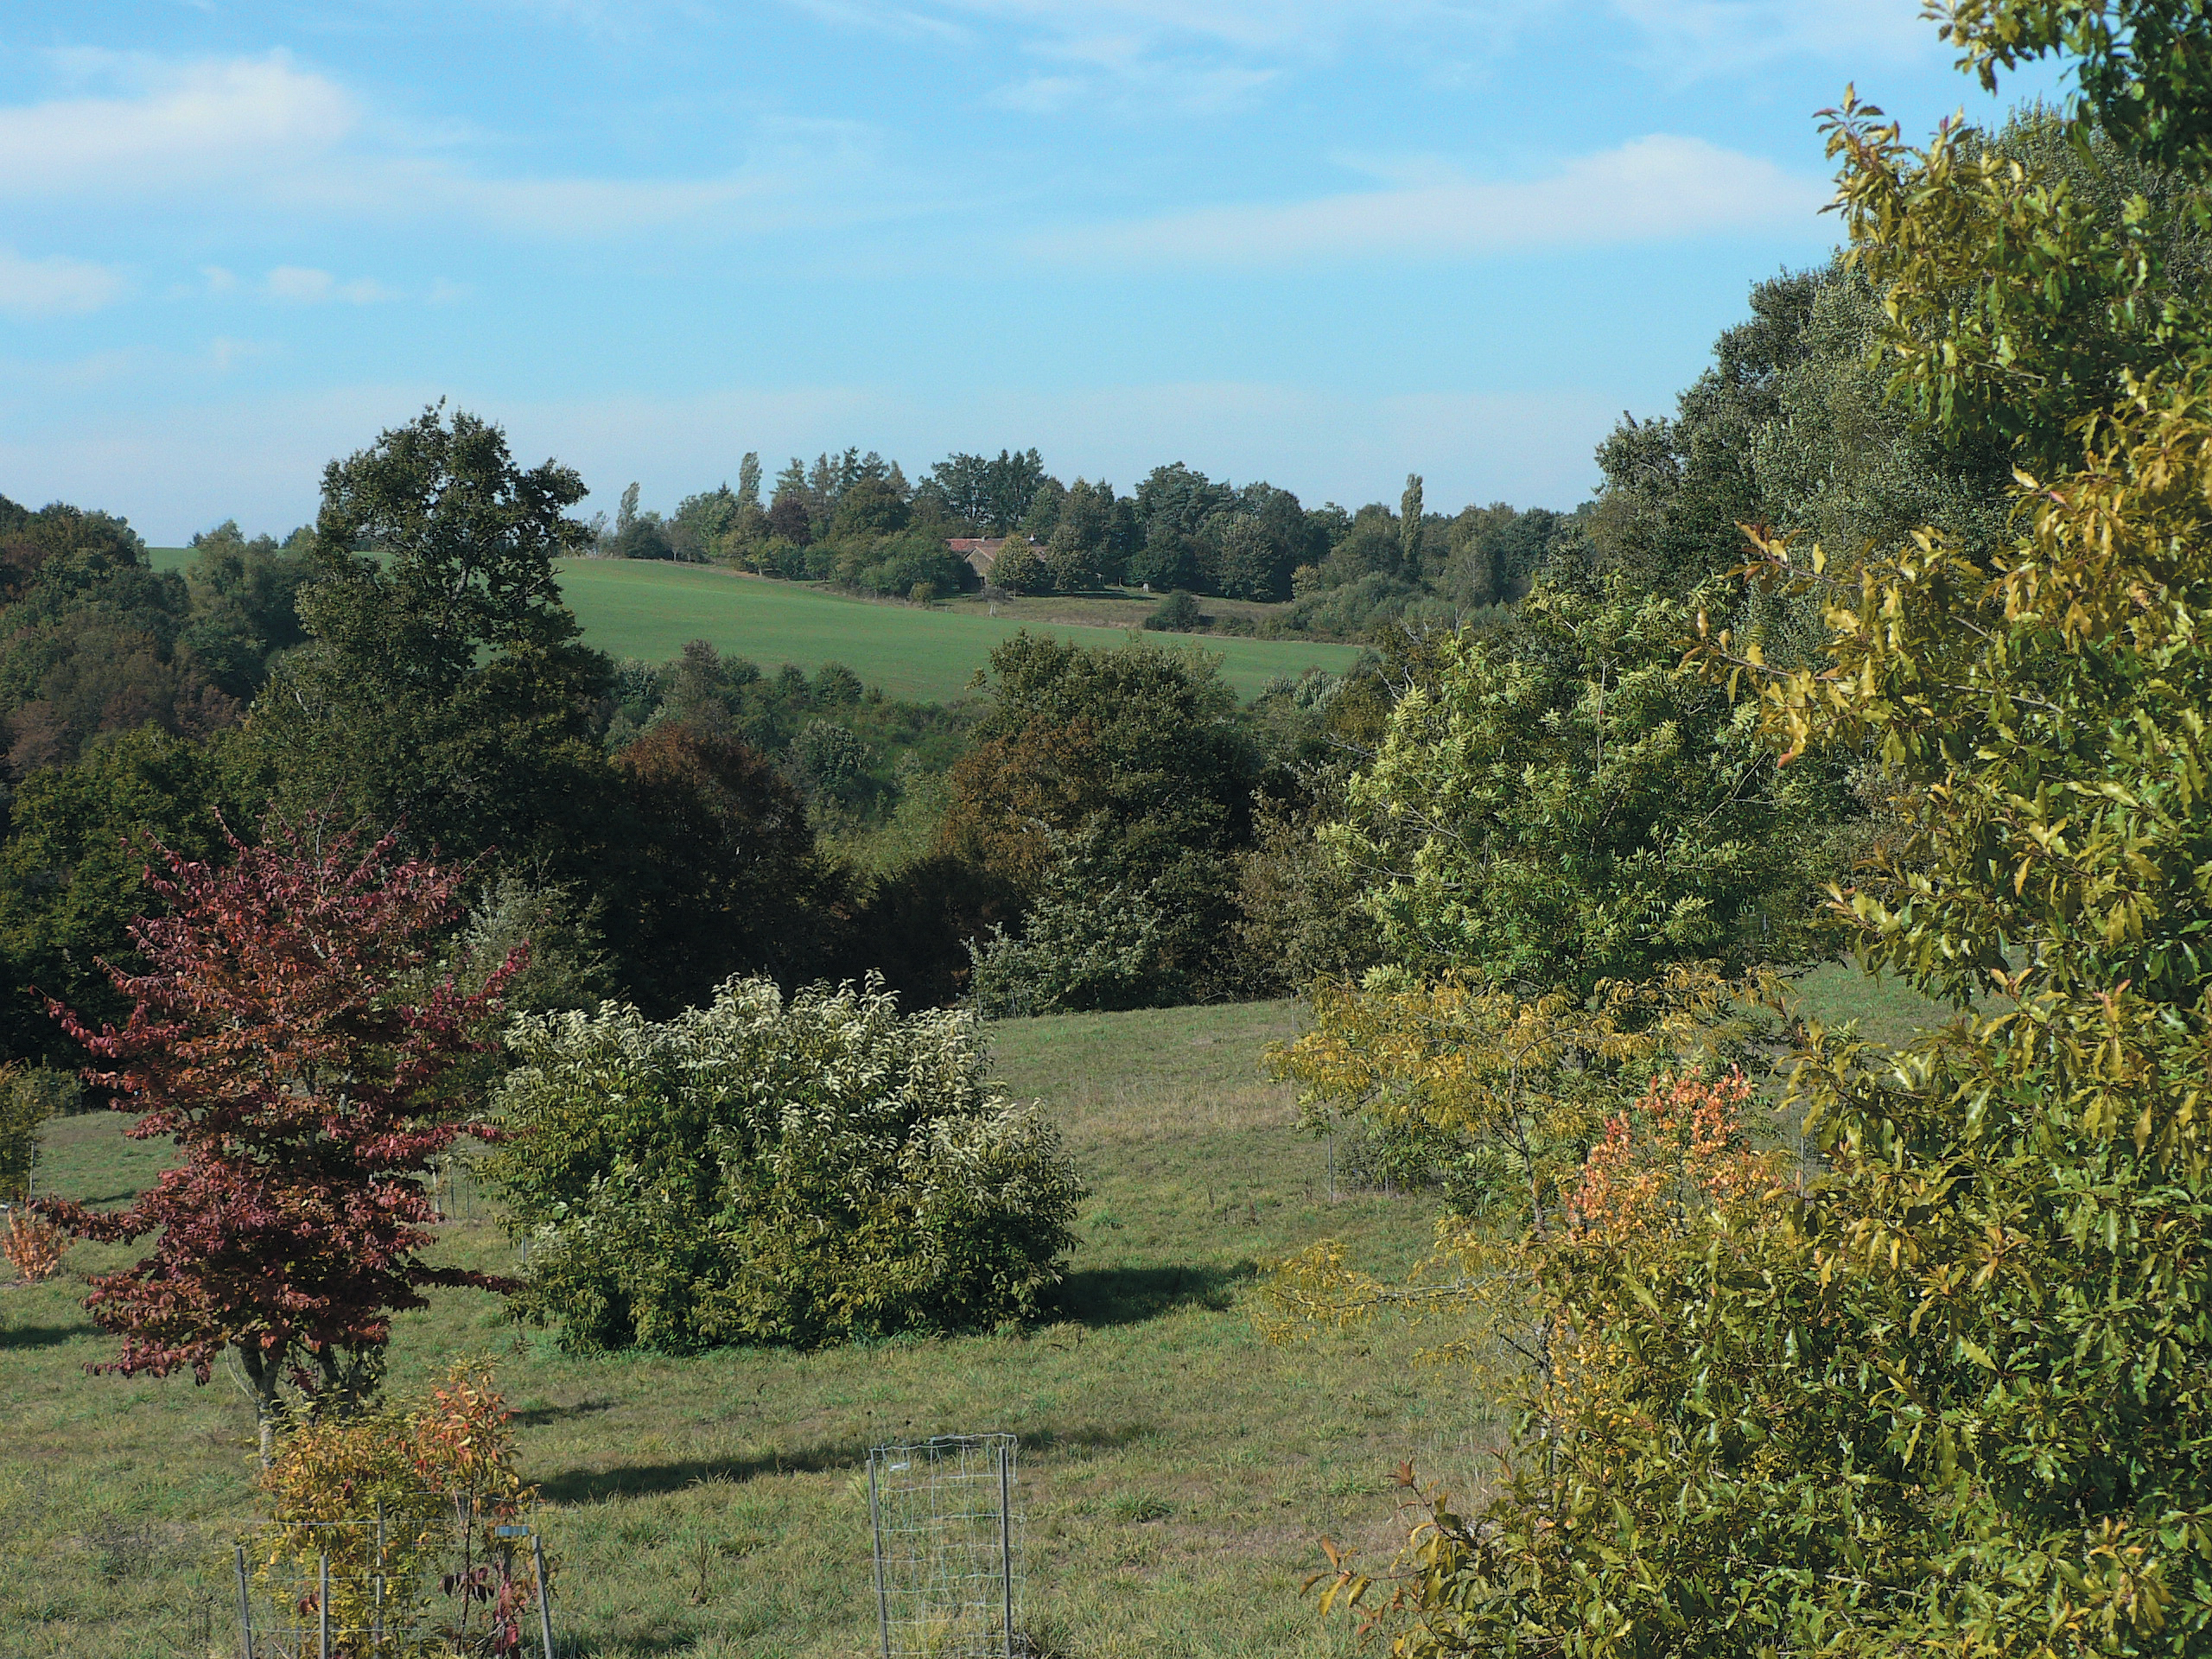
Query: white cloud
[1691, 39]
[264, 133]
[1655, 188]
[172, 124]
[1186, 88]
[55, 287]
[303, 285]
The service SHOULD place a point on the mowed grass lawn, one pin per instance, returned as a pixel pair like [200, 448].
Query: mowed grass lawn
[1178, 1472]
[650, 611]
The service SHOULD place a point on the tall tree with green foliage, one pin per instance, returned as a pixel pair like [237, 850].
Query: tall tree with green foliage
[1949, 1393]
[443, 683]
[1129, 770]
[1409, 515]
[70, 874]
[1570, 804]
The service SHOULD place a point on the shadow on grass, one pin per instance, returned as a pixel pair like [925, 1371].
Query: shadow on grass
[648, 1479]
[1104, 1296]
[651, 1479]
[38, 1336]
[538, 1417]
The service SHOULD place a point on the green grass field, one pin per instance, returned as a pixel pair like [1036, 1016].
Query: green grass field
[1178, 1472]
[652, 611]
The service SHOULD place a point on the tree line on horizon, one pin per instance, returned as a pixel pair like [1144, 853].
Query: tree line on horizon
[674, 822]
[854, 520]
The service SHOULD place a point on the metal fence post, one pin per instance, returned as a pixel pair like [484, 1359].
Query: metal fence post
[875, 1532]
[544, 1604]
[376, 1622]
[322, 1606]
[245, 1609]
[1006, 1541]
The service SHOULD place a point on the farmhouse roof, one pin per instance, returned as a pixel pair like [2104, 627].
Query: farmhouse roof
[982, 552]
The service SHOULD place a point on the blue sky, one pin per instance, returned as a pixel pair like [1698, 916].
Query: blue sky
[1323, 241]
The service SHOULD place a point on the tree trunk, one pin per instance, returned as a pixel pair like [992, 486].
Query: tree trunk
[262, 1371]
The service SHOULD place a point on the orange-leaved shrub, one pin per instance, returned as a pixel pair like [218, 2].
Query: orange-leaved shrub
[405, 1504]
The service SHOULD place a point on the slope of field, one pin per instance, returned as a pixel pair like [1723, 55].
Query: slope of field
[652, 611]
[1178, 1471]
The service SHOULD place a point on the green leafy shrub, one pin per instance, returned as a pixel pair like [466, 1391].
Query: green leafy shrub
[898, 567]
[1176, 614]
[1082, 948]
[765, 1171]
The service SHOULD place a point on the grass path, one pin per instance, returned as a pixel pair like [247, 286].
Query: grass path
[1178, 1471]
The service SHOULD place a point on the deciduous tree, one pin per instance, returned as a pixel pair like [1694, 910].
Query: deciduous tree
[286, 1034]
[443, 686]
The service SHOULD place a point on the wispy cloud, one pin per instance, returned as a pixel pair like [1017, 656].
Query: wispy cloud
[55, 287]
[265, 132]
[1650, 189]
[169, 124]
[303, 285]
[1192, 57]
[1689, 40]
[1199, 55]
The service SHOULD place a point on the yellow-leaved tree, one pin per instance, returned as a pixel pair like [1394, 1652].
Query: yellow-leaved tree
[1949, 1393]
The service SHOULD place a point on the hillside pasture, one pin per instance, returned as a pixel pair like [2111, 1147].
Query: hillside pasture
[1178, 1471]
[650, 611]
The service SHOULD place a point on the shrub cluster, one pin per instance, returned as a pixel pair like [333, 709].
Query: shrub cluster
[762, 1170]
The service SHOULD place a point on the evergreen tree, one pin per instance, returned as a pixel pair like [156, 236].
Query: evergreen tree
[1409, 527]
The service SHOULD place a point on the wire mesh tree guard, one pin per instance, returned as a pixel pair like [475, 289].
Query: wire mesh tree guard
[948, 1547]
[363, 1589]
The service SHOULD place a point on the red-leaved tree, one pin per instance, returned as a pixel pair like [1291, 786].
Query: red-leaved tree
[290, 1035]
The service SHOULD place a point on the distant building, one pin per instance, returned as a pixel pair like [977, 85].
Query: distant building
[982, 552]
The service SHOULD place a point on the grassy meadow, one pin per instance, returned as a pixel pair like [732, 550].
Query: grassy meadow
[1176, 1471]
[650, 611]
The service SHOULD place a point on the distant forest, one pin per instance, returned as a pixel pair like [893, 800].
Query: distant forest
[854, 520]
[1089, 830]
